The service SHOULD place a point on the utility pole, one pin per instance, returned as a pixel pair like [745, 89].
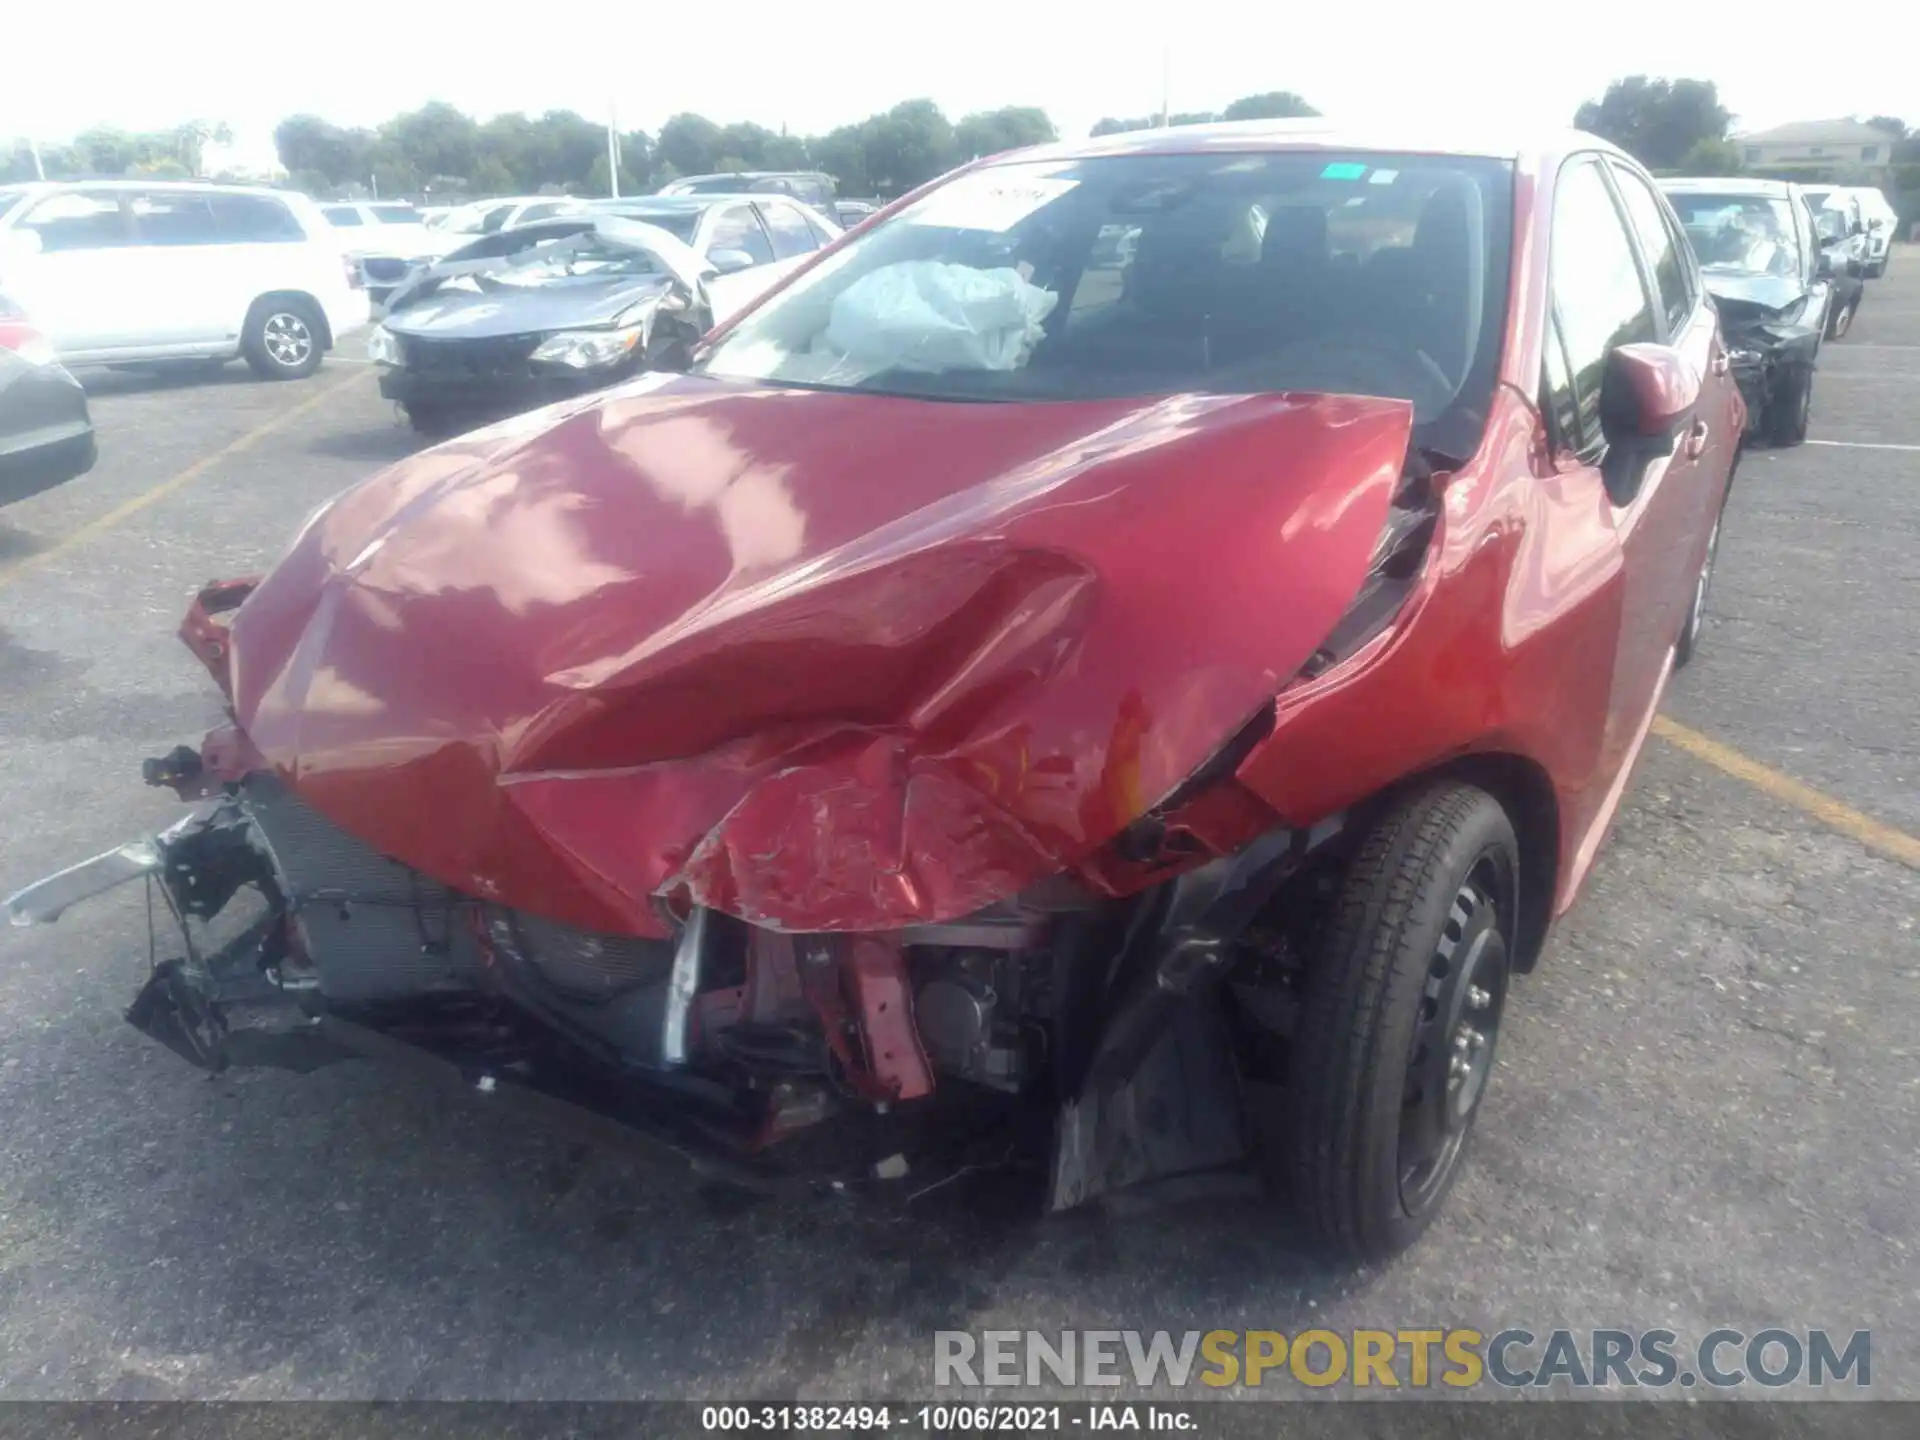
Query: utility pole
[613, 152]
[1166, 82]
[33, 148]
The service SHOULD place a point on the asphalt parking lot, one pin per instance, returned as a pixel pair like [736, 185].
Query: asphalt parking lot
[1708, 1110]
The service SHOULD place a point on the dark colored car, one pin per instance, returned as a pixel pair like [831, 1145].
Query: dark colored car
[1143, 716]
[1773, 285]
[46, 434]
[537, 313]
[1840, 223]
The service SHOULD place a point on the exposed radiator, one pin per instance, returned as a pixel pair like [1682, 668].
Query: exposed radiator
[375, 929]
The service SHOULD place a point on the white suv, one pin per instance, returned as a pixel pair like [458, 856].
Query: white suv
[122, 270]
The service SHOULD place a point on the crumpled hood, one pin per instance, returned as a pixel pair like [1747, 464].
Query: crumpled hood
[820, 660]
[450, 314]
[1747, 293]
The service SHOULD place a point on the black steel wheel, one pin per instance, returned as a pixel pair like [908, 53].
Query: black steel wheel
[1401, 1019]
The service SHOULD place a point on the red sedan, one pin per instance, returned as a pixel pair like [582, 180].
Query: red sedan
[1131, 650]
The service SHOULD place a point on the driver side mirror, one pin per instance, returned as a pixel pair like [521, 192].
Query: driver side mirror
[1823, 266]
[728, 261]
[1647, 398]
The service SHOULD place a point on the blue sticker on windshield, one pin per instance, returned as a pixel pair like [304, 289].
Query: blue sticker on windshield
[1343, 170]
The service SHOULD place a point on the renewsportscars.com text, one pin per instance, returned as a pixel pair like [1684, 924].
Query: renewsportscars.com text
[1514, 1358]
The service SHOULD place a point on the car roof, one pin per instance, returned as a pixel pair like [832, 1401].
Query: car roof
[662, 204]
[752, 175]
[1320, 133]
[225, 187]
[1729, 185]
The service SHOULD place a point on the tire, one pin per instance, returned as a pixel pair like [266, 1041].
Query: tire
[283, 338]
[1790, 408]
[1840, 319]
[1696, 620]
[1385, 1078]
[434, 421]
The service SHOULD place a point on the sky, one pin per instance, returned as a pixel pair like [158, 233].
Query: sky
[809, 67]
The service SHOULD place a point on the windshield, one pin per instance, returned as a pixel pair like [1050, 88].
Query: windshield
[395, 214]
[1740, 234]
[1364, 274]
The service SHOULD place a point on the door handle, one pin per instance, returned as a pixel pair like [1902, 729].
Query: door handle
[1697, 440]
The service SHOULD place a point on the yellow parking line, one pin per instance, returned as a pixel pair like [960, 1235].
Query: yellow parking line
[1896, 844]
[76, 538]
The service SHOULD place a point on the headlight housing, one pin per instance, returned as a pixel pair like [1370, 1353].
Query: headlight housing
[383, 348]
[589, 349]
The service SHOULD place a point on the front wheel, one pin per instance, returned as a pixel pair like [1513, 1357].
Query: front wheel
[282, 339]
[1403, 998]
[1842, 319]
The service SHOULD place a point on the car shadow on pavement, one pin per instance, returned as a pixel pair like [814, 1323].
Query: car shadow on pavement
[178, 375]
[297, 1234]
[381, 446]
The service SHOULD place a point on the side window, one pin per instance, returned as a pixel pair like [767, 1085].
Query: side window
[737, 229]
[1598, 295]
[341, 214]
[494, 219]
[172, 217]
[537, 212]
[253, 220]
[1668, 260]
[79, 220]
[821, 234]
[791, 233]
[1557, 397]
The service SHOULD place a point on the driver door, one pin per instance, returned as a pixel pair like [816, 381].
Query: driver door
[1604, 296]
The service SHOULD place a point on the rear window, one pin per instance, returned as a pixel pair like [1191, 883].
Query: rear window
[1365, 273]
[341, 215]
[79, 220]
[395, 214]
[254, 220]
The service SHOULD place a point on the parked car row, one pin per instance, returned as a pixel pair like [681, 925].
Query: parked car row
[583, 299]
[1152, 633]
[1787, 267]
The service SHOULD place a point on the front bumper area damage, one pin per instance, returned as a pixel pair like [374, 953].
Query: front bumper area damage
[827, 837]
[1091, 1054]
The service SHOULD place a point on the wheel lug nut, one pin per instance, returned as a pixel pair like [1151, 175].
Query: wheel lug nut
[1478, 999]
[1476, 1040]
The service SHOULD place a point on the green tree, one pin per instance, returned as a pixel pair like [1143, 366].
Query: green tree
[436, 139]
[689, 143]
[1012, 127]
[908, 146]
[842, 153]
[1656, 121]
[308, 145]
[1891, 124]
[1711, 157]
[1269, 105]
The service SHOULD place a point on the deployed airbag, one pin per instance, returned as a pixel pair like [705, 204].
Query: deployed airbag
[927, 316]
